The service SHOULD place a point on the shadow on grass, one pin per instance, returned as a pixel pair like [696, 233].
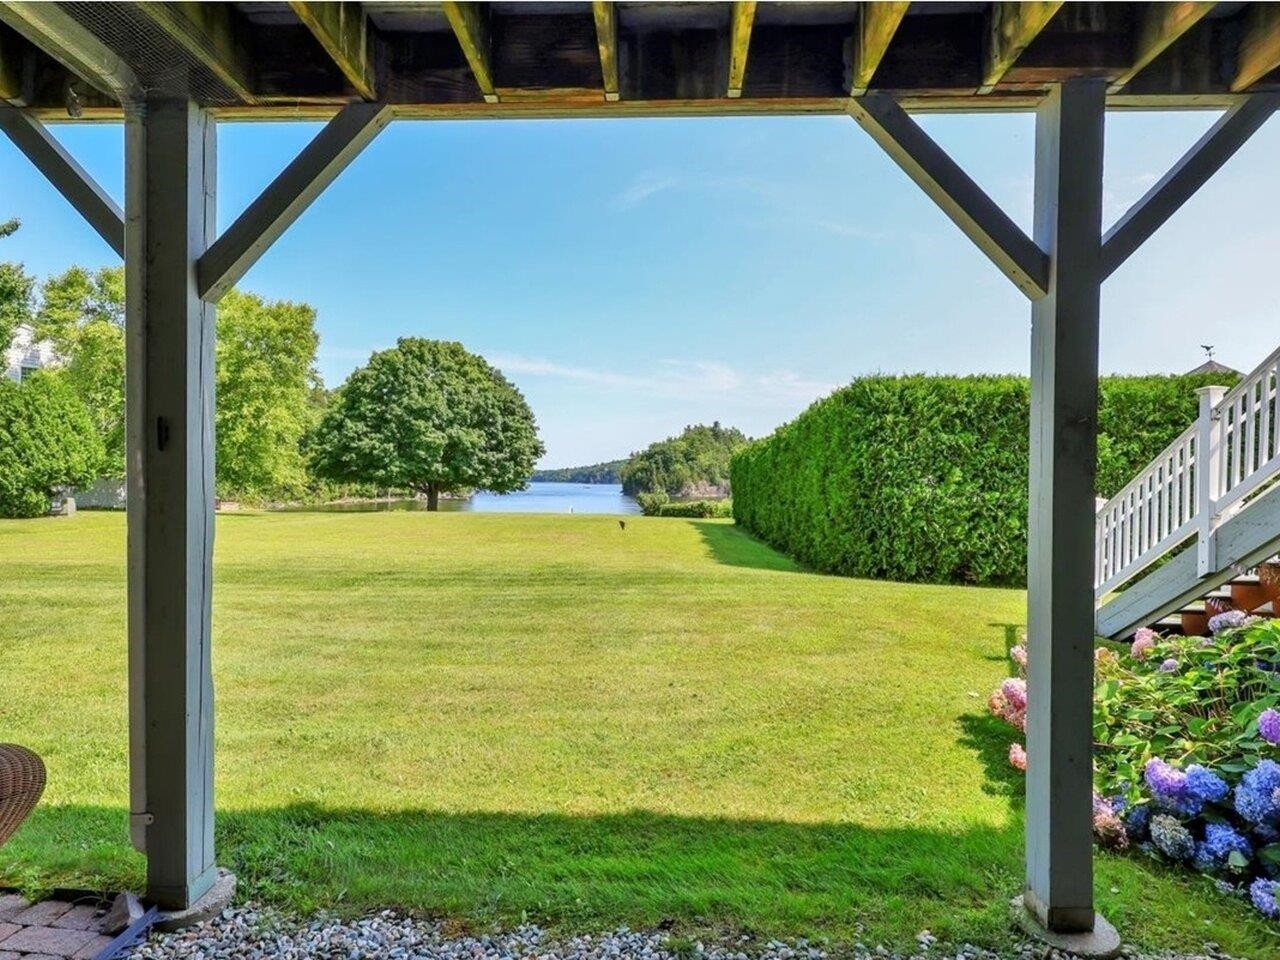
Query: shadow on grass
[731, 545]
[989, 738]
[588, 872]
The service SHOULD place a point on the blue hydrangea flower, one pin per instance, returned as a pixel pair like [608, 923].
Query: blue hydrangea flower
[1227, 621]
[1182, 792]
[1269, 725]
[1263, 894]
[1220, 841]
[1136, 821]
[1172, 838]
[1169, 666]
[1258, 795]
[1204, 785]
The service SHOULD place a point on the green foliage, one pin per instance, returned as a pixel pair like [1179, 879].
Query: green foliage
[47, 440]
[695, 461]
[608, 472]
[82, 314]
[266, 392]
[1205, 711]
[924, 478]
[700, 509]
[15, 300]
[651, 504]
[427, 416]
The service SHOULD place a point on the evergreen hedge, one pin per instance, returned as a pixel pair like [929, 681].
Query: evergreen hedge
[924, 478]
[47, 440]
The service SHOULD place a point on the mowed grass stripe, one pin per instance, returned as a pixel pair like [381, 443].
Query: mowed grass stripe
[492, 717]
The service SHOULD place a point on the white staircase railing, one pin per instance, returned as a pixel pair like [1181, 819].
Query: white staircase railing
[1236, 438]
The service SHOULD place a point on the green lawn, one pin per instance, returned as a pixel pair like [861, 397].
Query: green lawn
[492, 717]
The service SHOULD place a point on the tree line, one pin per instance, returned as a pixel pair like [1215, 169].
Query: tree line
[425, 417]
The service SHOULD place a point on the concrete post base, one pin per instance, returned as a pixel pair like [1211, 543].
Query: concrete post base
[216, 899]
[1102, 942]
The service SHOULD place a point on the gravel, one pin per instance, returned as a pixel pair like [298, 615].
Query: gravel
[254, 933]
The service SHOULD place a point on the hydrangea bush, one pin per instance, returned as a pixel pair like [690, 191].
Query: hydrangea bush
[1187, 750]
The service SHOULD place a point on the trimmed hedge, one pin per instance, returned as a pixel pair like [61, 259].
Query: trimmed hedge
[924, 478]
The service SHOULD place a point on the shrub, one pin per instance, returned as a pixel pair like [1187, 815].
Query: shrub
[925, 478]
[1187, 738]
[47, 440]
[703, 509]
[651, 504]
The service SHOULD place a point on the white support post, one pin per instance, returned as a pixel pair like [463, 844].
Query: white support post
[1064, 423]
[170, 177]
[1208, 477]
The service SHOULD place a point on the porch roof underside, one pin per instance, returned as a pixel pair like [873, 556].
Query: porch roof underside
[300, 60]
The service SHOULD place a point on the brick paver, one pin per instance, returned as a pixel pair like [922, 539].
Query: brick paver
[81, 917]
[11, 903]
[48, 940]
[92, 948]
[40, 914]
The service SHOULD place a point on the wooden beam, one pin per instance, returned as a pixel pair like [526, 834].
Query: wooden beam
[472, 30]
[1260, 46]
[208, 34]
[1010, 29]
[607, 36]
[57, 33]
[288, 196]
[67, 176]
[343, 30]
[11, 55]
[877, 23]
[1218, 145]
[954, 191]
[742, 19]
[1158, 26]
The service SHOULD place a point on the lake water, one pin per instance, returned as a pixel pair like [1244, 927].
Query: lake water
[539, 498]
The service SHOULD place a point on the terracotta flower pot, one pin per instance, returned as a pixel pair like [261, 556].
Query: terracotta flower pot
[1269, 577]
[1248, 596]
[1195, 623]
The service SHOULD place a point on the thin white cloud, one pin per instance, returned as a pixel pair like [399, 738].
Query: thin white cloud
[680, 379]
[641, 189]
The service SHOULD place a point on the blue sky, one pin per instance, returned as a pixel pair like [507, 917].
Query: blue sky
[633, 276]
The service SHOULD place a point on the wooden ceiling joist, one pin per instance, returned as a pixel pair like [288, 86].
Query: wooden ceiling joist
[206, 32]
[606, 17]
[1260, 46]
[49, 27]
[1158, 26]
[472, 30]
[1010, 30]
[10, 65]
[343, 30]
[743, 18]
[877, 23]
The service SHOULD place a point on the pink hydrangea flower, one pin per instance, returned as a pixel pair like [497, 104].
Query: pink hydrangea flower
[1015, 691]
[1019, 656]
[1018, 757]
[1143, 643]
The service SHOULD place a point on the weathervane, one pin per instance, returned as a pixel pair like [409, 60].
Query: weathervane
[1208, 350]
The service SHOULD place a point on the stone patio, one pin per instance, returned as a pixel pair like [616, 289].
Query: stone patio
[51, 929]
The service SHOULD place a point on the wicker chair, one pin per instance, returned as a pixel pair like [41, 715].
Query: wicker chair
[21, 783]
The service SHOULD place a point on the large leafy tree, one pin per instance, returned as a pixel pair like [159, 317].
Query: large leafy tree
[47, 440]
[82, 314]
[16, 288]
[431, 417]
[265, 383]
